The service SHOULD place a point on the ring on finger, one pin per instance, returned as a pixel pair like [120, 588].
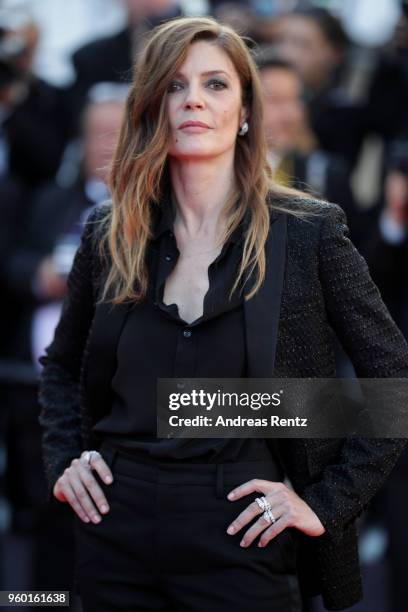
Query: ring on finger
[93, 454]
[89, 456]
[263, 503]
[268, 516]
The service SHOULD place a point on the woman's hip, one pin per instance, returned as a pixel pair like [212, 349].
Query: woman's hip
[176, 514]
[167, 531]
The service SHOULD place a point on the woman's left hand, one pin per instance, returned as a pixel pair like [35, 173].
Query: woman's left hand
[287, 507]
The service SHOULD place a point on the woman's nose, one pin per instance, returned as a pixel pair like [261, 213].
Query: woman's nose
[193, 98]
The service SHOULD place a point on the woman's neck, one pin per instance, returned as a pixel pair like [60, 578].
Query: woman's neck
[200, 189]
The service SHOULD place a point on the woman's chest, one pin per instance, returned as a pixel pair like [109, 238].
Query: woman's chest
[187, 285]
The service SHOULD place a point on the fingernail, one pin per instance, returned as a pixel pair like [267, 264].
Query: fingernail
[86, 519]
[104, 508]
[230, 530]
[108, 479]
[260, 544]
[96, 518]
[230, 495]
[242, 543]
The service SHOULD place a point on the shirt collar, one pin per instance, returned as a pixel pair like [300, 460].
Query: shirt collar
[164, 217]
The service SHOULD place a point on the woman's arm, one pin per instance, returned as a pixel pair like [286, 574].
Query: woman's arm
[59, 382]
[377, 349]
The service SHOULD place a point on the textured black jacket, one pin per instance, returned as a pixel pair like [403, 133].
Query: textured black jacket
[317, 285]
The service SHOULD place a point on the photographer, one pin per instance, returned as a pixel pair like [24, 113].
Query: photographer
[34, 117]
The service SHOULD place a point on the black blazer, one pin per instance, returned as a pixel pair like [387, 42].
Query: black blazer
[317, 283]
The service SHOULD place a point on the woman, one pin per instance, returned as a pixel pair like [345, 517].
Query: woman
[200, 267]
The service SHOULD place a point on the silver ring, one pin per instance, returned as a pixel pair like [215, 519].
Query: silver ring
[263, 503]
[268, 516]
[89, 455]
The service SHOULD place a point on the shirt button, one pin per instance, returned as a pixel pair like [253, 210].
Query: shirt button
[168, 258]
[187, 333]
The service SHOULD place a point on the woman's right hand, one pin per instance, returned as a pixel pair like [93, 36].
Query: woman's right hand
[78, 487]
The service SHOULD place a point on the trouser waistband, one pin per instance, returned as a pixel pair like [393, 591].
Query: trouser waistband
[182, 472]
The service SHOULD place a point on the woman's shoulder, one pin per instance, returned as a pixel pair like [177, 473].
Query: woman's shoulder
[93, 243]
[100, 212]
[305, 213]
[311, 222]
[96, 222]
[297, 204]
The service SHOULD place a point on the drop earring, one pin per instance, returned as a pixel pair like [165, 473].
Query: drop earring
[243, 129]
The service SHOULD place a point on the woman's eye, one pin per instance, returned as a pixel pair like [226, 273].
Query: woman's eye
[214, 83]
[219, 84]
[173, 85]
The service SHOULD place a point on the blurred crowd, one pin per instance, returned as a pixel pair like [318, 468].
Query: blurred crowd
[336, 123]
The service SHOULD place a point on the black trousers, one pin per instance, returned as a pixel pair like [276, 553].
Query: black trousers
[163, 545]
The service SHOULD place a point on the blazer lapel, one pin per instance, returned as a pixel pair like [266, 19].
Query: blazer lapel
[262, 311]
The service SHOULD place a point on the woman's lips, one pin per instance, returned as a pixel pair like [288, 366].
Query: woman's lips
[194, 123]
[194, 128]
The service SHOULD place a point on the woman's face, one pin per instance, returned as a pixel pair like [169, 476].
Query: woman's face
[207, 90]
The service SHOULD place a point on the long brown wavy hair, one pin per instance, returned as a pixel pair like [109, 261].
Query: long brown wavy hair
[139, 171]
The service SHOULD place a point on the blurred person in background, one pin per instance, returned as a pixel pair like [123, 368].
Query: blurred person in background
[37, 266]
[386, 103]
[36, 270]
[238, 15]
[293, 148]
[34, 115]
[386, 245]
[34, 122]
[111, 58]
[386, 252]
[314, 41]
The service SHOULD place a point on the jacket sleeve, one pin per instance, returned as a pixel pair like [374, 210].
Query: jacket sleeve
[377, 349]
[59, 396]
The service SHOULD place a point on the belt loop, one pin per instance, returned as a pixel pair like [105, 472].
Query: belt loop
[219, 477]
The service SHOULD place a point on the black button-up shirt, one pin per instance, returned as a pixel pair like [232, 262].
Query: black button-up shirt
[156, 342]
